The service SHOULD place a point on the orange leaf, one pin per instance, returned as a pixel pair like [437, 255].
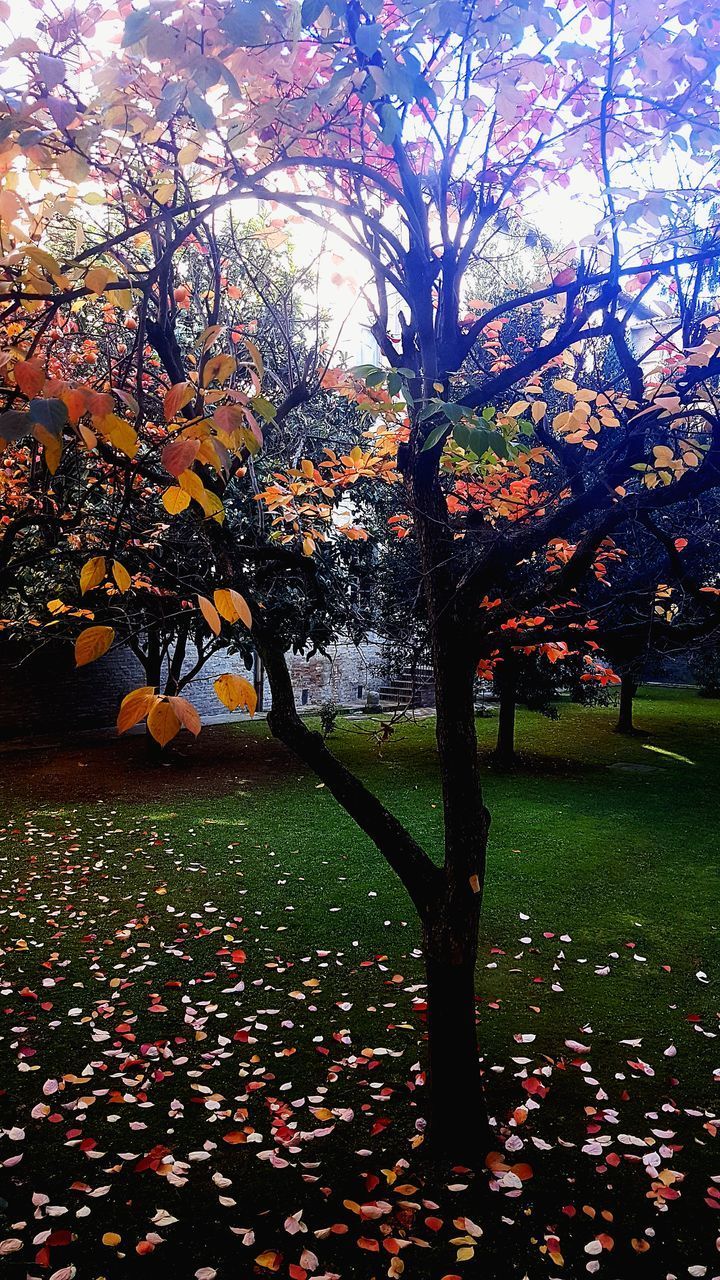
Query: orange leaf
[135, 706]
[175, 500]
[210, 614]
[163, 722]
[121, 576]
[30, 377]
[269, 1259]
[92, 643]
[186, 714]
[177, 397]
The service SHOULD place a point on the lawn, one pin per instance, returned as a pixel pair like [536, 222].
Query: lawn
[212, 1009]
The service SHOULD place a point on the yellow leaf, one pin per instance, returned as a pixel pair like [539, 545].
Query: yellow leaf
[99, 278]
[189, 153]
[538, 410]
[219, 369]
[162, 721]
[565, 384]
[52, 445]
[121, 576]
[255, 357]
[308, 546]
[269, 1259]
[119, 433]
[208, 336]
[92, 573]
[234, 691]
[191, 483]
[135, 706]
[212, 506]
[175, 500]
[92, 643]
[210, 614]
[232, 607]
[517, 408]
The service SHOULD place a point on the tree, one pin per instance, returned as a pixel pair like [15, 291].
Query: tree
[412, 133]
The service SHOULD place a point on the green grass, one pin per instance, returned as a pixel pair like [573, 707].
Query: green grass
[607, 845]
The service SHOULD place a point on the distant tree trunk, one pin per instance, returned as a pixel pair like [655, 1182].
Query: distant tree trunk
[505, 745]
[152, 664]
[628, 689]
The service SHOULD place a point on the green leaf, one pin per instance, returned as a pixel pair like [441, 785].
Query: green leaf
[435, 437]
[264, 407]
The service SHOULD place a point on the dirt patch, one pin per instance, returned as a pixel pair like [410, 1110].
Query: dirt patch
[91, 769]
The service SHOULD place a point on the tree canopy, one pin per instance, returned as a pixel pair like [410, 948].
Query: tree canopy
[529, 437]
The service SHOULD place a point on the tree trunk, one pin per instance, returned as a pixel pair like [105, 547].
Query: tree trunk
[505, 745]
[459, 1127]
[627, 693]
[152, 663]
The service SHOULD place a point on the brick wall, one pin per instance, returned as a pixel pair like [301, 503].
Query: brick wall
[44, 695]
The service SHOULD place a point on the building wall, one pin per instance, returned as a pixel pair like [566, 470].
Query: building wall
[44, 695]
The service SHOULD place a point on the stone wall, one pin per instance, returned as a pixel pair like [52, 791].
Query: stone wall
[44, 695]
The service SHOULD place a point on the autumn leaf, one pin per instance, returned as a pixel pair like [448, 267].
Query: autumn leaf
[234, 691]
[210, 614]
[175, 500]
[30, 377]
[162, 721]
[232, 606]
[186, 714]
[218, 369]
[179, 455]
[177, 398]
[135, 706]
[99, 278]
[92, 573]
[270, 1259]
[121, 576]
[92, 643]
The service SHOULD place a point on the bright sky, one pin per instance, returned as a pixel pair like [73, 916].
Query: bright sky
[566, 216]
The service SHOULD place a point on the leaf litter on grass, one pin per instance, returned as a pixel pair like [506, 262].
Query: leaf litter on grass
[182, 1089]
